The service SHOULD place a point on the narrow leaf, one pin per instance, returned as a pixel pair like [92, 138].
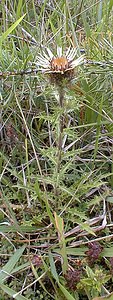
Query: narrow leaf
[10, 29]
[12, 293]
[60, 228]
[66, 293]
[109, 297]
[8, 268]
[53, 268]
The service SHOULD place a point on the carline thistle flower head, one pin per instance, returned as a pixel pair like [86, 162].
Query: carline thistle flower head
[60, 66]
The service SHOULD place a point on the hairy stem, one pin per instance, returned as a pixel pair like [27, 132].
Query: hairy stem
[60, 134]
[61, 121]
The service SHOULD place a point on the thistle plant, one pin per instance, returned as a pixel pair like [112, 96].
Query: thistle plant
[61, 71]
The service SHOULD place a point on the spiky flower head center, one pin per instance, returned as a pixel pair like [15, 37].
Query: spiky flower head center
[59, 64]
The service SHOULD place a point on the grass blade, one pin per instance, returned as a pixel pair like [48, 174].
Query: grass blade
[10, 29]
[65, 292]
[53, 268]
[8, 268]
[60, 230]
[12, 293]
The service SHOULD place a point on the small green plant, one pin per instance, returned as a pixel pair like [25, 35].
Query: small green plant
[93, 284]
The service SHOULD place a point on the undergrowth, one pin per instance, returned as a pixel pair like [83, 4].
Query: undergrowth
[56, 214]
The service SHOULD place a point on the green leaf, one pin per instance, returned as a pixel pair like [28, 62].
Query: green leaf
[12, 293]
[100, 6]
[76, 251]
[8, 268]
[52, 267]
[49, 211]
[109, 199]
[86, 25]
[10, 29]
[19, 8]
[75, 39]
[22, 228]
[73, 251]
[89, 272]
[109, 297]
[107, 252]
[87, 227]
[98, 130]
[66, 293]
[60, 229]
[21, 267]
[110, 6]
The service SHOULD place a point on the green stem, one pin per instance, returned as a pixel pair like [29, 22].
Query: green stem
[61, 123]
[59, 146]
